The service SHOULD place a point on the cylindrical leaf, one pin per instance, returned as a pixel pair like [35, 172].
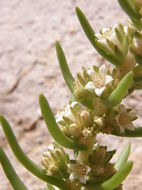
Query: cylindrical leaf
[15, 181]
[128, 133]
[90, 33]
[54, 129]
[119, 177]
[120, 91]
[25, 161]
[125, 5]
[64, 67]
[123, 157]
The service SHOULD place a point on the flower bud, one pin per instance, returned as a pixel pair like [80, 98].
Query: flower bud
[75, 130]
[99, 162]
[99, 122]
[73, 119]
[55, 161]
[137, 43]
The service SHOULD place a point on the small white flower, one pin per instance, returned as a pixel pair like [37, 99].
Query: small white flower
[110, 34]
[66, 112]
[124, 118]
[99, 80]
[79, 171]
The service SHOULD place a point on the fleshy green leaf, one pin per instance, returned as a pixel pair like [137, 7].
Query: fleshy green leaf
[90, 33]
[119, 177]
[127, 7]
[137, 57]
[25, 161]
[128, 133]
[123, 157]
[15, 181]
[50, 187]
[137, 23]
[54, 129]
[64, 67]
[120, 91]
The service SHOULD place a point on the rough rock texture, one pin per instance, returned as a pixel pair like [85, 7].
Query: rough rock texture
[28, 66]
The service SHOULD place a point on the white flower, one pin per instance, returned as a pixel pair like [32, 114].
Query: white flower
[79, 171]
[110, 34]
[99, 80]
[66, 112]
[124, 118]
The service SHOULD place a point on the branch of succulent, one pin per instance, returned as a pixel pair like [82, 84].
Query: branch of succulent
[96, 106]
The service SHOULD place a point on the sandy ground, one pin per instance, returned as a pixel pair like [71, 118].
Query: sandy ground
[28, 67]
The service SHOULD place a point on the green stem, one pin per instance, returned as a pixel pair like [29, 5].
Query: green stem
[120, 91]
[123, 157]
[64, 67]
[119, 177]
[25, 161]
[15, 181]
[54, 129]
[90, 33]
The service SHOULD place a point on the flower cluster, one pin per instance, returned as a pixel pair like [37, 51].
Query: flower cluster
[95, 106]
[77, 123]
[114, 41]
[55, 161]
[93, 83]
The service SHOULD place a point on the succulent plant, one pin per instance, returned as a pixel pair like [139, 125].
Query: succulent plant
[95, 107]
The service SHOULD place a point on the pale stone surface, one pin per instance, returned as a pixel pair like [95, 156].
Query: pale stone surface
[28, 65]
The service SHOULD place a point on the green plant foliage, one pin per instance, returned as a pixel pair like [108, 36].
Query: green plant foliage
[95, 106]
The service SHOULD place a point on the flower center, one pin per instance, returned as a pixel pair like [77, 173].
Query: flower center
[80, 170]
[107, 33]
[123, 119]
[99, 80]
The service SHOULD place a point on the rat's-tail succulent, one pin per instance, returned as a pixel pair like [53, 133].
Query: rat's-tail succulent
[96, 106]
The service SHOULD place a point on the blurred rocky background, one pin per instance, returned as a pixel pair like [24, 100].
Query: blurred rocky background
[28, 67]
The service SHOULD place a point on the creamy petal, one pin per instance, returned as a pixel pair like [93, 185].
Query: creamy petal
[108, 79]
[90, 86]
[83, 179]
[99, 91]
[99, 36]
[132, 115]
[90, 72]
[103, 42]
[130, 126]
[122, 128]
[73, 176]
[122, 108]
[105, 29]
[74, 103]
[102, 69]
[87, 169]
